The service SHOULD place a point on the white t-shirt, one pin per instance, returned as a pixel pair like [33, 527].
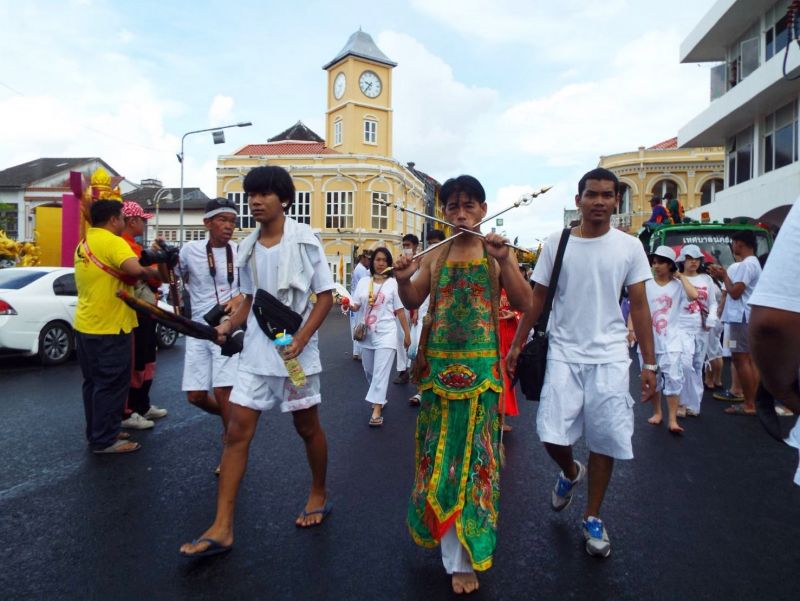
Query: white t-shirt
[359, 272]
[779, 285]
[586, 324]
[193, 268]
[380, 318]
[691, 319]
[260, 356]
[665, 311]
[748, 272]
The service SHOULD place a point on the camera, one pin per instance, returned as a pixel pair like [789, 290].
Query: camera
[214, 316]
[235, 342]
[165, 254]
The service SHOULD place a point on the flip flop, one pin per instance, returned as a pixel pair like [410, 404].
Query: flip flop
[214, 548]
[375, 422]
[323, 511]
[738, 410]
[119, 446]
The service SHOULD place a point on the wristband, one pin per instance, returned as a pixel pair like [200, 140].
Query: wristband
[651, 366]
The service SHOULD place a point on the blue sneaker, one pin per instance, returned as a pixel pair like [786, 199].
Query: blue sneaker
[562, 492]
[594, 532]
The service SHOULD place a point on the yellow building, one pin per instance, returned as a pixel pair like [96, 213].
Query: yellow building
[340, 185]
[693, 175]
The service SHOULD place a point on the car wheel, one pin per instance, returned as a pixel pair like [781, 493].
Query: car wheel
[165, 337]
[56, 343]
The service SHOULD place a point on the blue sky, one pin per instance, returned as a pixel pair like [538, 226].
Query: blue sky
[520, 94]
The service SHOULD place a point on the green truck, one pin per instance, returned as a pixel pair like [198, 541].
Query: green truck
[714, 239]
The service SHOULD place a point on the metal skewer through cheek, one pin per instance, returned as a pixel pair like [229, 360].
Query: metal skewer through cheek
[524, 200]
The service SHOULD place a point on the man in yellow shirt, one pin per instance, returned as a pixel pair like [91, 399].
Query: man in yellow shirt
[104, 264]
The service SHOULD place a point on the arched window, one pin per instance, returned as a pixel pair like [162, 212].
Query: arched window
[709, 190]
[664, 187]
[624, 206]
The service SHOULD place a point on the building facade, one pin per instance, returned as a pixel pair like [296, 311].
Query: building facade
[341, 186]
[693, 175]
[754, 103]
[37, 185]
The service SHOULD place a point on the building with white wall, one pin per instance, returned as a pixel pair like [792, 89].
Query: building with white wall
[753, 111]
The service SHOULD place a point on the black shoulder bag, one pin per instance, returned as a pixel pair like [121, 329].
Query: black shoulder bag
[532, 361]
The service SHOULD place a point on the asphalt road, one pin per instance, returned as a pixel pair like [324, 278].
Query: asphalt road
[710, 515]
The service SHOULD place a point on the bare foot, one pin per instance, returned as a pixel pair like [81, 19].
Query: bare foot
[507, 428]
[316, 504]
[223, 537]
[465, 583]
[681, 411]
[655, 420]
[675, 428]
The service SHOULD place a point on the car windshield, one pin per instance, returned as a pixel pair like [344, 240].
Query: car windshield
[715, 244]
[14, 279]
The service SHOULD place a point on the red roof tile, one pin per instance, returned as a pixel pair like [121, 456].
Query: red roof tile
[283, 148]
[665, 145]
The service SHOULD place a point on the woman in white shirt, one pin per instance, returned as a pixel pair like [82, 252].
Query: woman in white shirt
[696, 320]
[382, 309]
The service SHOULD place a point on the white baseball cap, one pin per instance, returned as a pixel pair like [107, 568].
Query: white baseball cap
[664, 251]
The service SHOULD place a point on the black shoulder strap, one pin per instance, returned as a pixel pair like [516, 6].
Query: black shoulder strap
[541, 325]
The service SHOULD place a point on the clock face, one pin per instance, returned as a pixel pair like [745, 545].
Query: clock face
[339, 84]
[370, 84]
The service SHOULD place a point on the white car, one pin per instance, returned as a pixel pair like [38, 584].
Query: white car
[37, 309]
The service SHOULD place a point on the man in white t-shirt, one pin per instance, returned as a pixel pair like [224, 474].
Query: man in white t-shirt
[739, 287]
[775, 322]
[361, 270]
[208, 269]
[586, 389]
[285, 259]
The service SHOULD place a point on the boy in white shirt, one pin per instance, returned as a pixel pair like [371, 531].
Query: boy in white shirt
[665, 296]
[285, 259]
[739, 286]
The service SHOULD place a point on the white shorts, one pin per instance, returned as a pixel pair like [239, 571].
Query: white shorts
[260, 393]
[589, 399]
[669, 379]
[205, 367]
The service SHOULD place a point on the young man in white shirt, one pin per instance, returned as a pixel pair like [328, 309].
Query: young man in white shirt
[209, 273]
[736, 312]
[775, 322]
[285, 259]
[586, 388]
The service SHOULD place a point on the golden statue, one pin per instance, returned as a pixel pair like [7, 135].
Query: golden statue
[22, 254]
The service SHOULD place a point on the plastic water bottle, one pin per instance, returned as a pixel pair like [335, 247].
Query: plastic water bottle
[296, 374]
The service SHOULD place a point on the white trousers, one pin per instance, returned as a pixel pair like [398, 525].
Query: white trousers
[353, 322]
[402, 356]
[378, 368]
[454, 556]
[692, 356]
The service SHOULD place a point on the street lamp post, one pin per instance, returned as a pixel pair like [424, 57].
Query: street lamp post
[163, 193]
[219, 138]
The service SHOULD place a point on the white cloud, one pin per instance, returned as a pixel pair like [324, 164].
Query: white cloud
[221, 111]
[434, 113]
[536, 221]
[562, 34]
[645, 99]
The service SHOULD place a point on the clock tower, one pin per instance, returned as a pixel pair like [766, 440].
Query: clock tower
[359, 115]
